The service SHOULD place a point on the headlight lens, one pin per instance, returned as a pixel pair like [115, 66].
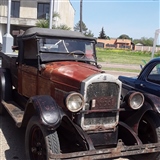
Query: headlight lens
[74, 102]
[136, 100]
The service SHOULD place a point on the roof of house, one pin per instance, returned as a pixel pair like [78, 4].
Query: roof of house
[139, 44]
[123, 41]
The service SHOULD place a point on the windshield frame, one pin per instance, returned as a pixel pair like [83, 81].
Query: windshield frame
[87, 53]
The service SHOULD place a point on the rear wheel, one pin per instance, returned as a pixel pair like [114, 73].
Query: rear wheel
[1, 92]
[149, 132]
[40, 142]
[5, 88]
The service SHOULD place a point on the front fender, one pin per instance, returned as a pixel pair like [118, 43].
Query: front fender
[46, 109]
[154, 101]
[151, 104]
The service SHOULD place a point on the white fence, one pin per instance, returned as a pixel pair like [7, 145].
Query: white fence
[146, 48]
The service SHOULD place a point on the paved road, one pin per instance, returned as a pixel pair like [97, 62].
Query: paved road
[122, 66]
[11, 140]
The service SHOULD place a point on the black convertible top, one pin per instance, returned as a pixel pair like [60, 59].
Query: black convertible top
[42, 32]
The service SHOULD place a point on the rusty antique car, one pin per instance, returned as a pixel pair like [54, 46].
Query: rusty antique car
[71, 109]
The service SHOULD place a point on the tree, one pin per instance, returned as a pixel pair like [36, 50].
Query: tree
[89, 34]
[62, 26]
[124, 36]
[44, 23]
[85, 30]
[145, 41]
[102, 35]
[77, 27]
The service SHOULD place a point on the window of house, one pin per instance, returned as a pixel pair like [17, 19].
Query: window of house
[15, 6]
[43, 11]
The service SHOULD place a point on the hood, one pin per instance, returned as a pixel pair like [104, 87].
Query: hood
[69, 73]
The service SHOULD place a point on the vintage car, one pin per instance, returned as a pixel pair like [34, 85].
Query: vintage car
[148, 79]
[70, 108]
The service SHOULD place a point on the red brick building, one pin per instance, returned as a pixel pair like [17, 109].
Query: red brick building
[115, 43]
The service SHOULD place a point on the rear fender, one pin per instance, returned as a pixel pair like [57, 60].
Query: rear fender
[46, 109]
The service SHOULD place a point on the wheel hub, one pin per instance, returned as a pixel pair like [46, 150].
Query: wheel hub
[37, 149]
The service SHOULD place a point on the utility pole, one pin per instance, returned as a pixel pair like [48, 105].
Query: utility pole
[7, 38]
[157, 32]
[80, 15]
[51, 13]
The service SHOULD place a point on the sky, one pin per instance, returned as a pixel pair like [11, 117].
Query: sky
[136, 18]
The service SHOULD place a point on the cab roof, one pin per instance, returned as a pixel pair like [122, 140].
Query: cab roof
[45, 32]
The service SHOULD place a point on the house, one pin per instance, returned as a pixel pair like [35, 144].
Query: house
[115, 43]
[24, 14]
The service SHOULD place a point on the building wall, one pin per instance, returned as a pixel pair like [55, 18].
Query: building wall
[2, 31]
[115, 43]
[3, 7]
[28, 10]
[28, 14]
[66, 11]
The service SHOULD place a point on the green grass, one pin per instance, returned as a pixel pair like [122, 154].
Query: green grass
[120, 56]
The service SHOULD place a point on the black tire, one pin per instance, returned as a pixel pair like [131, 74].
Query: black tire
[39, 141]
[2, 81]
[5, 88]
[149, 132]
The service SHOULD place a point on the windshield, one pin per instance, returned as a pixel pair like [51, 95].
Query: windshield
[66, 49]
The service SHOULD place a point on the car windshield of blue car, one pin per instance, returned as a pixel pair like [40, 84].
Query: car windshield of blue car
[66, 49]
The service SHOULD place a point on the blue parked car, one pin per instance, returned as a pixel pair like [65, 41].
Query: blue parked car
[148, 80]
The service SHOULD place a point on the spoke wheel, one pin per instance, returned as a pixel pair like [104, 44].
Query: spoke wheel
[149, 132]
[37, 145]
[39, 142]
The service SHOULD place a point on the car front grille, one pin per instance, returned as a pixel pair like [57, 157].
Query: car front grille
[101, 105]
[103, 95]
[99, 118]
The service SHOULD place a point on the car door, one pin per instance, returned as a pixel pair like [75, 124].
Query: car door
[150, 81]
[27, 80]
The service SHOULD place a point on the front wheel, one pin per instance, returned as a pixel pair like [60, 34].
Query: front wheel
[39, 141]
[149, 132]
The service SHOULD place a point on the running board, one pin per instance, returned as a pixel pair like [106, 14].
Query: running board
[14, 110]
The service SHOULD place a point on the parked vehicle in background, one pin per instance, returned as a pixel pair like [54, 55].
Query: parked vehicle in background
[70, 107]
[148, 80]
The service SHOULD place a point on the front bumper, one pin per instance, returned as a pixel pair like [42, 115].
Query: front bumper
[120, 151]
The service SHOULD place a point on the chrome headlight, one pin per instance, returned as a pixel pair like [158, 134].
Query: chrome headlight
[74, 102]
[135, 100]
